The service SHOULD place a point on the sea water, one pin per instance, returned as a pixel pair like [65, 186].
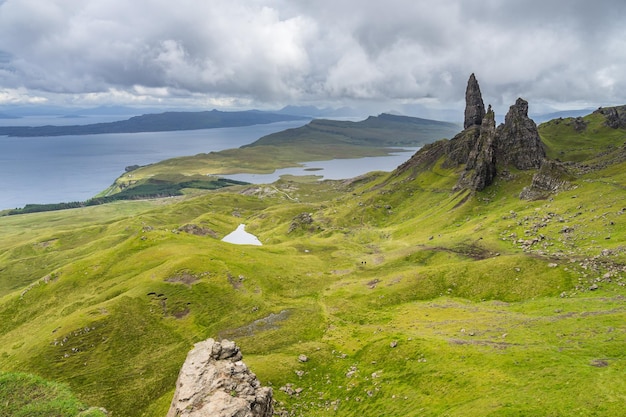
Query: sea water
[43, 170]
[59, 169]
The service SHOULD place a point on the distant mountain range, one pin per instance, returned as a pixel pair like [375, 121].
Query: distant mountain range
[17, 112]
[162, 122]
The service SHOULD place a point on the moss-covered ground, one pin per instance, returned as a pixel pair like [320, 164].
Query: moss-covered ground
[409, 299]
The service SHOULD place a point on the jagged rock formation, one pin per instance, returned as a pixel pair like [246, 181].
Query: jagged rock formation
[518, 142]
[514, 143]
[481, 148]
[552, 177]
[615, 116]
[474, 106]
[214, 382]
[480, 167]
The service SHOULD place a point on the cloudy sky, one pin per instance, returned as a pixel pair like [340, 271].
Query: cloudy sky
[269, 53]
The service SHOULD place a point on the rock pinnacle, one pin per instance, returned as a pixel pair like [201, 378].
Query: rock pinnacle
[474, 106]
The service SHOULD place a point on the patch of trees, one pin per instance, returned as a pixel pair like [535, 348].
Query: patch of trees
[156, 189]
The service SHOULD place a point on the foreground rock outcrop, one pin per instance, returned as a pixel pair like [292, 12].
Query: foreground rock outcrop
[214, 382]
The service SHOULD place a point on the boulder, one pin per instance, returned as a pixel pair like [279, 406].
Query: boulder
[214, 382]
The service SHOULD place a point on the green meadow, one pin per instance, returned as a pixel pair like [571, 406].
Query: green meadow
[408, 298]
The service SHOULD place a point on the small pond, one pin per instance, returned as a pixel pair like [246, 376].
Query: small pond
[241, 237]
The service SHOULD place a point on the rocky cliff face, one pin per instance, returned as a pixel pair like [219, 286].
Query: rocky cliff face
[518, 143]
[615, 116]
[480, 166]
[214, 382]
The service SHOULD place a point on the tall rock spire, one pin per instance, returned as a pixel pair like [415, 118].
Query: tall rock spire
[474, 106]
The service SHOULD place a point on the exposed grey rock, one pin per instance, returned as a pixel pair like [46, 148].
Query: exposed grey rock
[552, 177]
[518, 142]
[94, 411]
[580, 124]
[480, 168]
[215, 382]
[300, 220]
[482, 150]
[599, 363]
[474, 106]
[515, 143]
[615, 116]
[194, 229]
[457, 150]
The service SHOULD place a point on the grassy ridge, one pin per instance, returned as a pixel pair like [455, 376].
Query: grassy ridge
[408, 298]
[385, 130]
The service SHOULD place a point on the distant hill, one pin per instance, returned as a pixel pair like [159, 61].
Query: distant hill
[544, 117]
[382, 130]
[162, 122]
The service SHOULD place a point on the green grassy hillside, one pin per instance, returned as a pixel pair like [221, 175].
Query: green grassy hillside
[23, 395]
[408, 298]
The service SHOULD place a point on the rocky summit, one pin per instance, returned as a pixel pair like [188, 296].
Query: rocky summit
[214, 382]
[515, 143]
[481, 149]
[518, 143]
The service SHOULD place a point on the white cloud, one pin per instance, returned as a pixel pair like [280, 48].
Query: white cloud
[259, 52]
[19, 96]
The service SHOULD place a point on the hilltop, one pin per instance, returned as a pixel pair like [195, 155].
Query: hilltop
[384, 130]
[424, 291]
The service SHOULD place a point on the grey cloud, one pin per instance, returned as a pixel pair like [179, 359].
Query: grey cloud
[271, 51]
